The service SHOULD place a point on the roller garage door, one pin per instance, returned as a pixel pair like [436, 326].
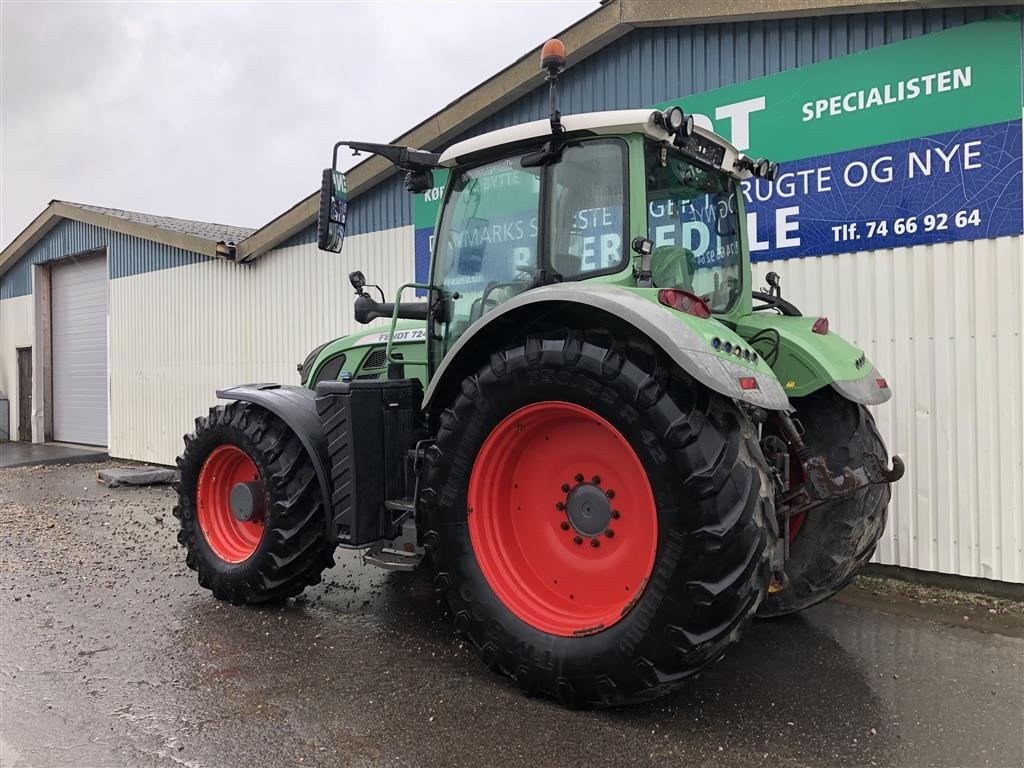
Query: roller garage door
[78, 292]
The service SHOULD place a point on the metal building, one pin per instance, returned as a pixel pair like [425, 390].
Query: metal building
[943, 319]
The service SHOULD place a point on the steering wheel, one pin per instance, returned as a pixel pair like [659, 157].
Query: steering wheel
[775, 302]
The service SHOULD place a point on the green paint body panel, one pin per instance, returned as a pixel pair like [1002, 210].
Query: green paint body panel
[358, 347]
[807, 360]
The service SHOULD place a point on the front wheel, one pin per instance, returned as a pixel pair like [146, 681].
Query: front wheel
[600, 531]
[252, 518]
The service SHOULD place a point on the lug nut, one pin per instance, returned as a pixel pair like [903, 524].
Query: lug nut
[560, 506]
[595, 543]
[616, 514]
[579, 477]
[610, 533]
[565, 526]
[596, 479]
[566, 488]
[610, 493]
[577, 540]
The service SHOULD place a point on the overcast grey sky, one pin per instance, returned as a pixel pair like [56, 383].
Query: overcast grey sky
[227, 112]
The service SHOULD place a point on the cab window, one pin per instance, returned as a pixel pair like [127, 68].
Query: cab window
[693, 219]
[587, 209]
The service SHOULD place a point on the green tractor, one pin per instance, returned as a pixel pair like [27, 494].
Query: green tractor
[609, 450]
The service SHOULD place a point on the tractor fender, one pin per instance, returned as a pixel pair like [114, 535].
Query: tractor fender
[808, 360]
[296, 407]
[682, 344]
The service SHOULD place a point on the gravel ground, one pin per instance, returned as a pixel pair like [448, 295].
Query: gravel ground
[111, 655]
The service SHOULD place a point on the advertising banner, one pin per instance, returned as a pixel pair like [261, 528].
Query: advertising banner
[911, 143]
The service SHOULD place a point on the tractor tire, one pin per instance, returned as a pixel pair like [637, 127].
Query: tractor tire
[600, 532]
[835, 540]
[283, 547]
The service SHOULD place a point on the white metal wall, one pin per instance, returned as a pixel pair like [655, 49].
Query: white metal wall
[943, 323]
[179, 334]
[16, 330]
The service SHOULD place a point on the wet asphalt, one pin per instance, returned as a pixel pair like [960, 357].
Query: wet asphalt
[111, 655]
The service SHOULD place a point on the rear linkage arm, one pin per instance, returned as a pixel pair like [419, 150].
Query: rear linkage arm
[821, 485]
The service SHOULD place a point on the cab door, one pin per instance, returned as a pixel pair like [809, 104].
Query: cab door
[506, 228]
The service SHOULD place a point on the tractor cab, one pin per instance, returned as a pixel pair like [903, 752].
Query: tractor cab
[639, 199]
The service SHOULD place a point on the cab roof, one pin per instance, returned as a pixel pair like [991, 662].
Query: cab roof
[615, 122]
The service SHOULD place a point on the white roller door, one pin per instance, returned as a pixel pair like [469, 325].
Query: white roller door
[78, 292]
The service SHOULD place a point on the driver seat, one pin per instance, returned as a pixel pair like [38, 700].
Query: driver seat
[672, 267]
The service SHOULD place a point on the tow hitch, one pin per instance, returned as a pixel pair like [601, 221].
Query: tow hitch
[822, 486]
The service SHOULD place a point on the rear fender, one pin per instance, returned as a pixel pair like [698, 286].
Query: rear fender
[808, 361]
[296, 407]
[676, 335]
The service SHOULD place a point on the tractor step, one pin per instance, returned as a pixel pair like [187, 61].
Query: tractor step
[392, 560]
[401, 505]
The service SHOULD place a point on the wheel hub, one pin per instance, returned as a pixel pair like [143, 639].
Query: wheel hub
[246, 501]
[588, 509]
[231, 503]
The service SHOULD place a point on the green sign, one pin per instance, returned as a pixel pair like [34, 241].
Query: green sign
[964, 77]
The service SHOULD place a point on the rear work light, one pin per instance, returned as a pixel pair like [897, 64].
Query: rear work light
[820, 326]
[684, 301]
[748, 382]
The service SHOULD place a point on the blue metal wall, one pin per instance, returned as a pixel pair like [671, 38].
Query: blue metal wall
[651, 65]
[126, 255]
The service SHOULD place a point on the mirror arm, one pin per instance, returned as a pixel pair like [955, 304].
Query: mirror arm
[406, 158]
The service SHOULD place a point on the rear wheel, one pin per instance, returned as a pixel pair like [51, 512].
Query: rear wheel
[832, 542]
[600, 531]
[251, 514]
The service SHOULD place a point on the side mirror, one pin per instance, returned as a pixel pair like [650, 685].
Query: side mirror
[330, 225]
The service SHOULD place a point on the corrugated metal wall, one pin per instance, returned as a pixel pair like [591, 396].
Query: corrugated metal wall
[655, 64]
[178, 335]
[943, 323]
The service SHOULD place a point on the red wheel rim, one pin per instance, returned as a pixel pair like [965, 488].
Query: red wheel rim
[537, 506]
[232, 540]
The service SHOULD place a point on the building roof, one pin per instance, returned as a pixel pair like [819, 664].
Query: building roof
[197, 236]
[215, 233]
[611, 21]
